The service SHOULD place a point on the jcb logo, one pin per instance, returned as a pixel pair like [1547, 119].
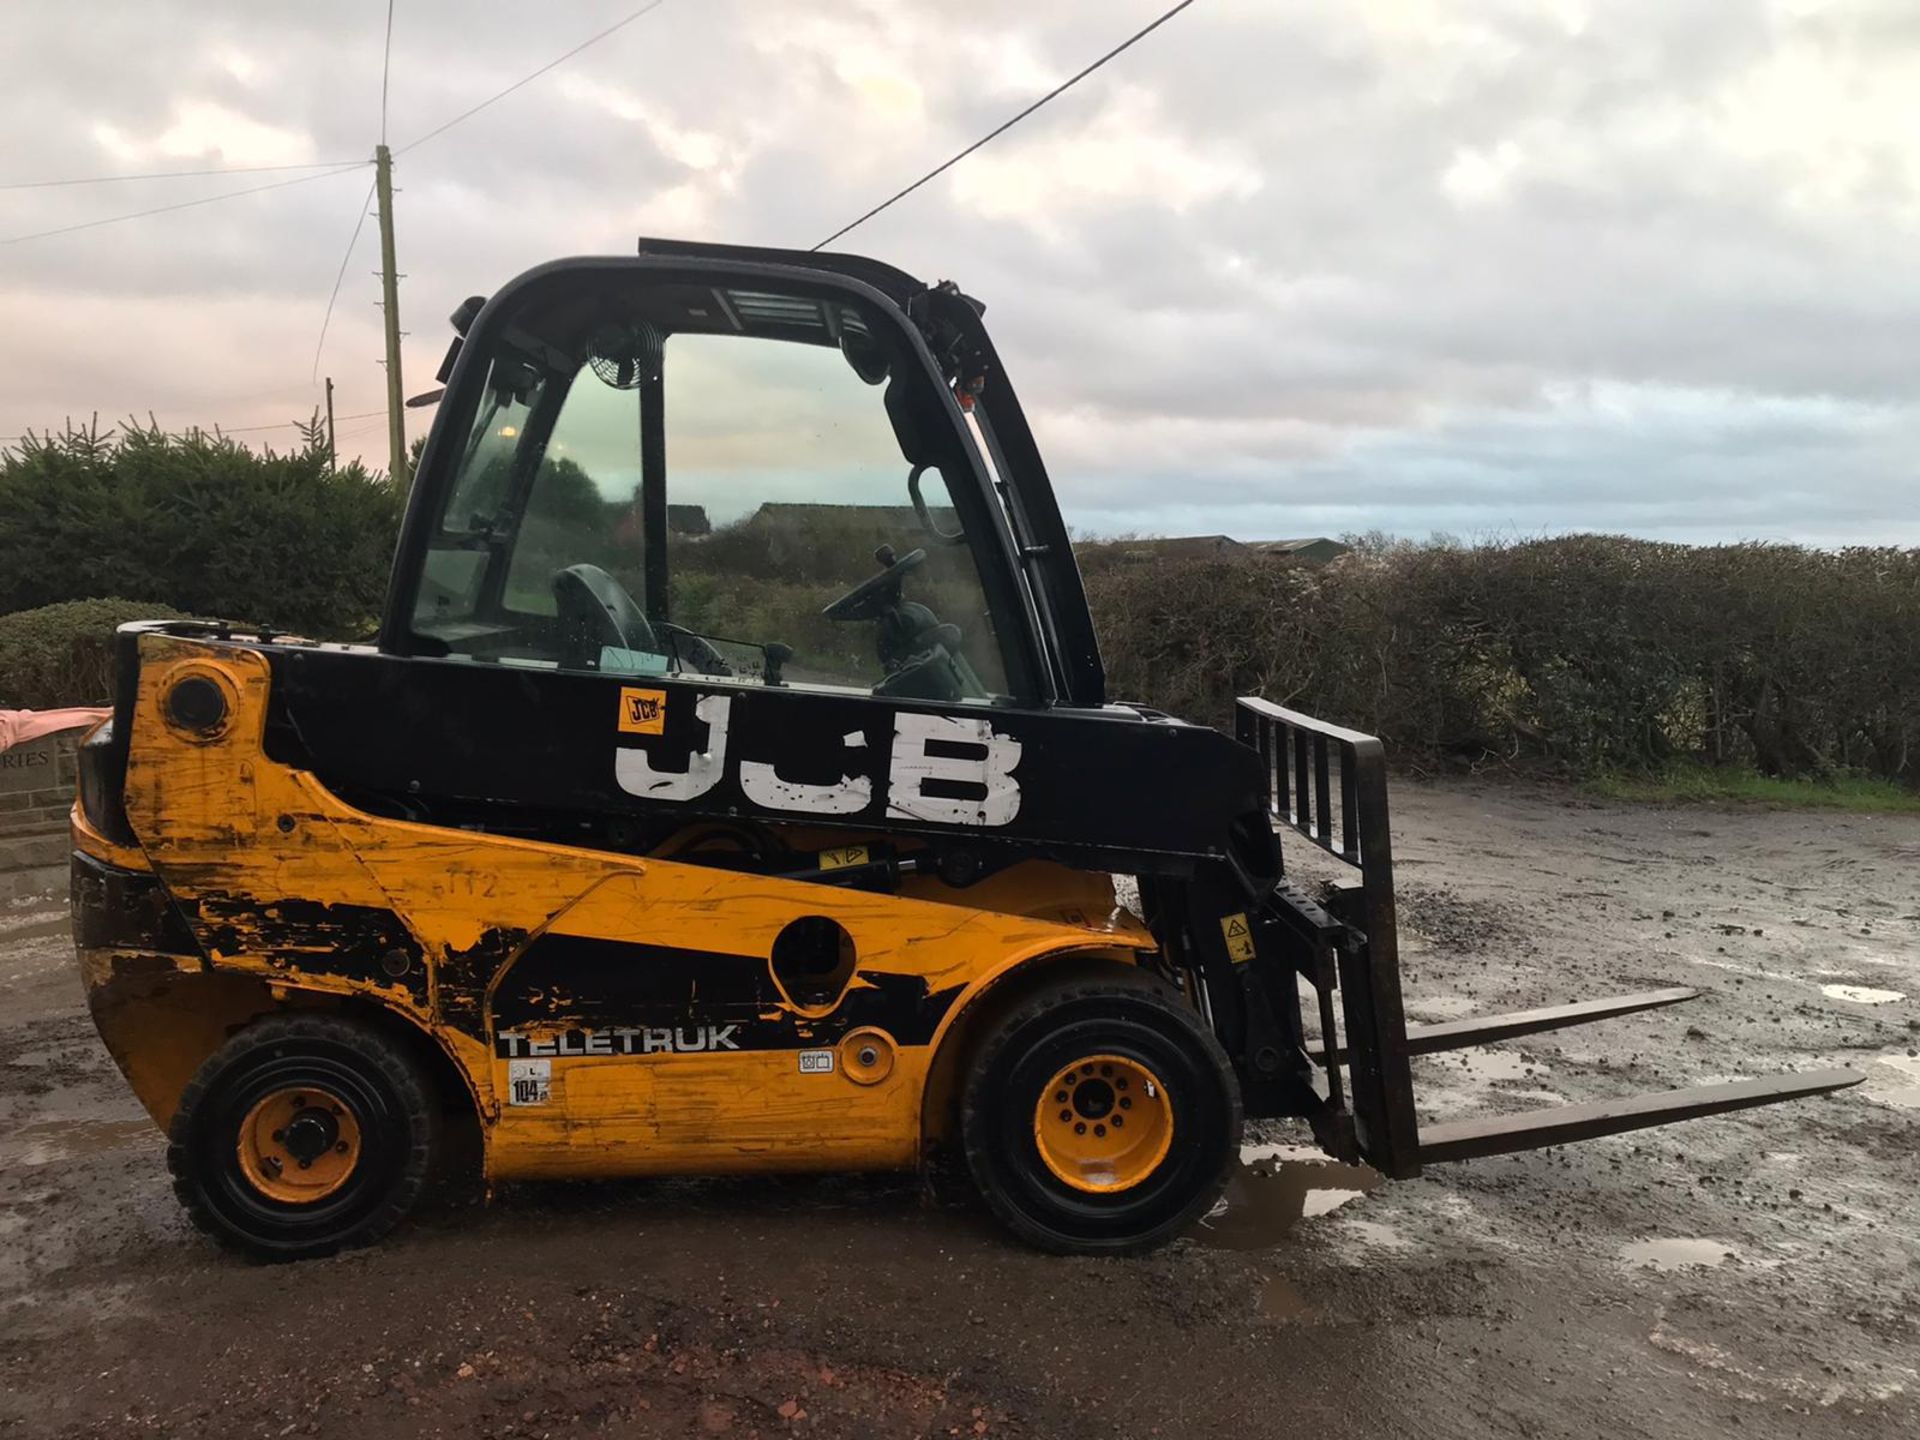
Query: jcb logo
[642, 712]
[948, 769]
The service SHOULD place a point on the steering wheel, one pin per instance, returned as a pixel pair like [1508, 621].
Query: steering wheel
[595, 610]
[877, 593]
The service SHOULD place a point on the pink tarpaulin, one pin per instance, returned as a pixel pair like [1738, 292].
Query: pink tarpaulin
[17, 727]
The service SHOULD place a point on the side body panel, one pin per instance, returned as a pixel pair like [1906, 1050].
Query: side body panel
[1103, 786]
[635, 996]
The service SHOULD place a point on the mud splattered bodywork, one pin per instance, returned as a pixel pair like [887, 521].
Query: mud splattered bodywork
[253, 888]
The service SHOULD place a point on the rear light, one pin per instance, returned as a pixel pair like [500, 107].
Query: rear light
[103, 774]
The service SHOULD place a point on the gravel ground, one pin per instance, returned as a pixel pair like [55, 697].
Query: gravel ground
[1751, 1274]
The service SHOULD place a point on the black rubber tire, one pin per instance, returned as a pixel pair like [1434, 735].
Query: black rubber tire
[1129, 1013]
[392, 1103]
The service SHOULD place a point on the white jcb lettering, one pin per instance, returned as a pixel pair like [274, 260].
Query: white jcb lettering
[915, 766]
[633, 769]
[971, 779]
[762, 784]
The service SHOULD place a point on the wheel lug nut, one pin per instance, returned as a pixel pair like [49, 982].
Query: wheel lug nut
[304, 1164]
[1118, 1121]
[341, 1148]
[1126, 1104]
[299, 1102]
[1100, 1130]
[1066, 1115]
[1081, 1128]
[279, 1136]
[1060, 1097]
[1121, 1083]
[1106, 1069]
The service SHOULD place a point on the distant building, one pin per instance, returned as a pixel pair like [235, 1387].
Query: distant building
[1316, 550]
[688, 520]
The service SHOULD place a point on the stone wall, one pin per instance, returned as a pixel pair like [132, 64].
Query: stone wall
[36, 791]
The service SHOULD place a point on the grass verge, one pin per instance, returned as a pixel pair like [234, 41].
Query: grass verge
[1680, 783]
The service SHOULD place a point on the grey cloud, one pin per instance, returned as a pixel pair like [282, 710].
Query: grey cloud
[1338, 343]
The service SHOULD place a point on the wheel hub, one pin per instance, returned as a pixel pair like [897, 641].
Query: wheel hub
[1103, 1124]
[299, 1144]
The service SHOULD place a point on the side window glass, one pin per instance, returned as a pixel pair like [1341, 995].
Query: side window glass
[792, 523]
[690, 480]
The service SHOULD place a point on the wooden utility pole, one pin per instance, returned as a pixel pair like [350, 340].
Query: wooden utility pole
[390, 308]
[333, 455]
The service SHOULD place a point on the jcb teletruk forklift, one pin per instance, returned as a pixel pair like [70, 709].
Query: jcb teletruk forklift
[733, 787]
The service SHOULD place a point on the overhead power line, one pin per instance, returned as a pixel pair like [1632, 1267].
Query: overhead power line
[1005, 126]
[174, 174]
[386, 67]
[181, 205]
[339, 279]
[442, 129]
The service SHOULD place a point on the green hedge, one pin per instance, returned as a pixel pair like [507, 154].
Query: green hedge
[1596, 652]
[62, 654]
[199, 522]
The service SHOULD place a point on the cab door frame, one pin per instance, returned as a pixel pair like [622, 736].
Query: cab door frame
[995, 548]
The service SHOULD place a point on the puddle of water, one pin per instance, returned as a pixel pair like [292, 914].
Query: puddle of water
[36, 929]
[1442, 1007]
[1487, 1066]
[1376, 1234]
[1280, 1301]
[1275, 1188]
[1861, 994]
[1675, 1254]
[1896, 1080]
[46, 1142]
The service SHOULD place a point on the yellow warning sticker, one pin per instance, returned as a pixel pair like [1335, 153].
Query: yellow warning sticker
[642, 712]
[1239, 937]
[842, 858]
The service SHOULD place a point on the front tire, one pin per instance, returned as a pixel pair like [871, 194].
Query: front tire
[1101, 1116]
[301, 1136]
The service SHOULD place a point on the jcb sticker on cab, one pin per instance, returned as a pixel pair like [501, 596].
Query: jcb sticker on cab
[642, 712]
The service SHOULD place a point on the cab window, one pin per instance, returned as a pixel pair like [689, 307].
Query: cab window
[746, 486]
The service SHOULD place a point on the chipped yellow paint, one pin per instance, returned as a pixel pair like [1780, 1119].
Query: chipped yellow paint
[230, 830]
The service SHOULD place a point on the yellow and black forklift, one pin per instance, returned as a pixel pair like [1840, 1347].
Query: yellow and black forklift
[732, 788]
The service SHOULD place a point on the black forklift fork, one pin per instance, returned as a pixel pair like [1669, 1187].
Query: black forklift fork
[1346, 943]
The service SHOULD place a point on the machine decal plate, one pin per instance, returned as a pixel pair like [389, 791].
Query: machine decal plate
[816, 1062]
[1238, 935]
[529, 1082]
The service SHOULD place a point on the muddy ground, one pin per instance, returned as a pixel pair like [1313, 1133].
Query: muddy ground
[1754, 1274]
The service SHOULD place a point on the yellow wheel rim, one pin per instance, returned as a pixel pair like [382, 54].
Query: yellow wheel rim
[299, 1144]
[1103, 1124]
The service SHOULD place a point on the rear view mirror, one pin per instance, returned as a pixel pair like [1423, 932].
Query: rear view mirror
[866, 356]
[935, 518]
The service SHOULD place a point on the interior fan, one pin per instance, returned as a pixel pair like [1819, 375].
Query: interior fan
[625, 352]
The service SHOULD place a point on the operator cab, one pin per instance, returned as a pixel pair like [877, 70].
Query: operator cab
[754, 480]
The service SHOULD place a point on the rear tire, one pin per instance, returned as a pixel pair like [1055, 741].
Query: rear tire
[1055, 1070]
[301, 1136]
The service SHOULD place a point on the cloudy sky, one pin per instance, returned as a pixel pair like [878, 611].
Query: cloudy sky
[1489, 267]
